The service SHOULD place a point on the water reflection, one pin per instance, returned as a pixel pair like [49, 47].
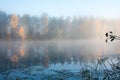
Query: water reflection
[24, 54]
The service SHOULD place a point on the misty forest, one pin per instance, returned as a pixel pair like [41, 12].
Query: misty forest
[13, 26]
[51, 47]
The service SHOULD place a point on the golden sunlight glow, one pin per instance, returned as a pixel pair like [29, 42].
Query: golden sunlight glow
[22, 32]
[22, 49]
[98, 29]
[14, 21]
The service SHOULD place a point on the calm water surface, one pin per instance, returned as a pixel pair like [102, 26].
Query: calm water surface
[53, 54]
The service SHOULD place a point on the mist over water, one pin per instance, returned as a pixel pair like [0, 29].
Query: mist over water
[28, 53]
[48, 44]
[73, 40]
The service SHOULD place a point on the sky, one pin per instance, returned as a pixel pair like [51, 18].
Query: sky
[96, 8]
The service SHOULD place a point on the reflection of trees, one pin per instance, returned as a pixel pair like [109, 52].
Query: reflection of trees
[19, 55]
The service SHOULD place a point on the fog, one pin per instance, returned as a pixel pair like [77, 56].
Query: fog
[45, 27]
[45, 42]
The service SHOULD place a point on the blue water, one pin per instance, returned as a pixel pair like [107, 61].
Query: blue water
[46, 57]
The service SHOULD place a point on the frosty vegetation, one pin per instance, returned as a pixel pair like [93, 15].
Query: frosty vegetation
[98, 71]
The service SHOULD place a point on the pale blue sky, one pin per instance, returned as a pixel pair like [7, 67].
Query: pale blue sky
[102, 8]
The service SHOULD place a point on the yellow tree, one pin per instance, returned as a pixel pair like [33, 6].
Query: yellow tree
[22, 32]
[14, 20]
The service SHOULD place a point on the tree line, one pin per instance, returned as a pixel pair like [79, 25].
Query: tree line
[45, 27]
